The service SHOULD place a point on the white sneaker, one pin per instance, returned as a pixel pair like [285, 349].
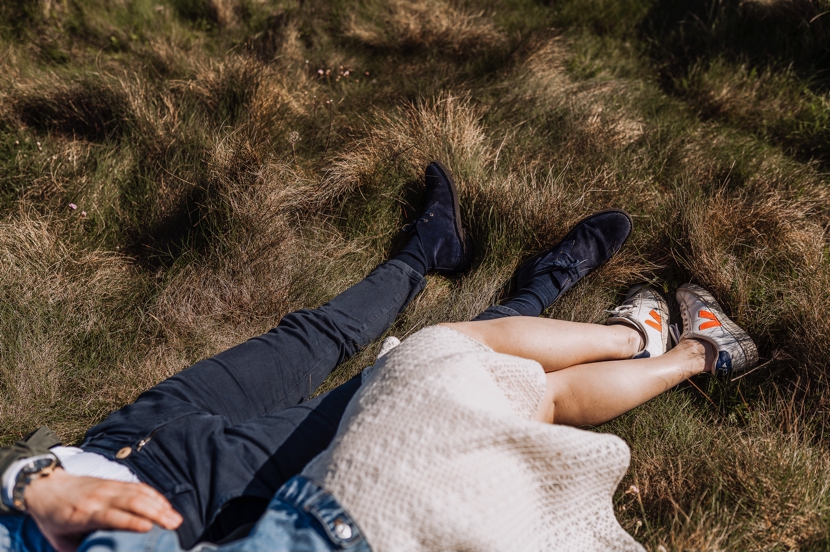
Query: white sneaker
[645, 309]
[704, 319]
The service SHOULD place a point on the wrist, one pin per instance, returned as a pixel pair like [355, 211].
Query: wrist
[17, 478]
[42, 488]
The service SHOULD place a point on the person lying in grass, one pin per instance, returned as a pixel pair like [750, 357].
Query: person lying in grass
[434, 447]
[448, 445]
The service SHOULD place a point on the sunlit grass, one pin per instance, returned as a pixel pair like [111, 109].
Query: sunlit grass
[176, 175]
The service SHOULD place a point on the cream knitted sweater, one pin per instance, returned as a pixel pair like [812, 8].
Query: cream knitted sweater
[437, 452]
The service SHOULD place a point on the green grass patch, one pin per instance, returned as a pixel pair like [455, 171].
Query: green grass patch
[229, 161]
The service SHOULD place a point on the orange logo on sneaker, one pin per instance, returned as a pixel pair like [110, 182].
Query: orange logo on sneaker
[713, 321]
[657, 323]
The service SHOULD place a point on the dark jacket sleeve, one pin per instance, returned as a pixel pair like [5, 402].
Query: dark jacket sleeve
[36, 443]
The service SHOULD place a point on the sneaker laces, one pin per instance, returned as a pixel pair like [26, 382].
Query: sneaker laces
[675, 333]
[624, 310]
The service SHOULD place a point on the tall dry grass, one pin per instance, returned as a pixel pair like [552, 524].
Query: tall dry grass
[230, 161]
[435, 25]
[60, 299]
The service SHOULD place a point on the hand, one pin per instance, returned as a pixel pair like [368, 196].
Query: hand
[67, 508]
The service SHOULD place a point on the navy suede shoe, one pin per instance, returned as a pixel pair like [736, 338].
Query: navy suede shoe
[547, 276]
[439, 241]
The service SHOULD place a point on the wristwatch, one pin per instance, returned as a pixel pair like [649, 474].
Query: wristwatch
[32, 468]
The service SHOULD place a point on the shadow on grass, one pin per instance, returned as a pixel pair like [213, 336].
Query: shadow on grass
[788, 34]
[775, 55]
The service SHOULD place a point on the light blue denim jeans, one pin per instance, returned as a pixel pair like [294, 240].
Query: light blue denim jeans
[19, 533]
[301, 517]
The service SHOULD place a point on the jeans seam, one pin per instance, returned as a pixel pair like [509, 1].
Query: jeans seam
[406, 269]
[152, 540]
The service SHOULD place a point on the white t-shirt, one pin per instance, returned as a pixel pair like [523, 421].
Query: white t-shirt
[80, 463]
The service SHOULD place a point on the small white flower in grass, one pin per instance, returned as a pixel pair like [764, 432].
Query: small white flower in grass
[83, 213]
[320, 72]
[632, 490]
[73, 207]
[39, 148]
[346, 73]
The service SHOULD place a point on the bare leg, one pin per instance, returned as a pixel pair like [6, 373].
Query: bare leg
[555, 344]
[590, 394]
[588, 381]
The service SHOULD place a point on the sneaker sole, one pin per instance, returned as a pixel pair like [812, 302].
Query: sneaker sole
[743, 339]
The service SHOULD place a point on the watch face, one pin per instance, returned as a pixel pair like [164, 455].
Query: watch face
[37, 465]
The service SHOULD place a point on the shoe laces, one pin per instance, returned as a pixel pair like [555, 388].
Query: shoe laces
[566, 263]
[675, 333]
[624, 310]
[422, 219]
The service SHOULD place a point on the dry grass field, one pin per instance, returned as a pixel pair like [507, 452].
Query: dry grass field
[176, 175]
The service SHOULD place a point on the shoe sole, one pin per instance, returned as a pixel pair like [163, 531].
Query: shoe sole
[743, 339]
[466, 240]
[585, 220]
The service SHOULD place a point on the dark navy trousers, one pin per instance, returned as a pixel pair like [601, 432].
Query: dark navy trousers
[221, 437]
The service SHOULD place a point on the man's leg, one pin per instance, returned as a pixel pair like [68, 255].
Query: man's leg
[286, 441]
[176, 436]
[543, 279]
[286, 365]
[186, 437]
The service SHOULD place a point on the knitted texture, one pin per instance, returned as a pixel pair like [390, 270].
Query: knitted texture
[438, 452]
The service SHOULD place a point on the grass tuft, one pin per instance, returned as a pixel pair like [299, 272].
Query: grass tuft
[176, 175]
[435, 26]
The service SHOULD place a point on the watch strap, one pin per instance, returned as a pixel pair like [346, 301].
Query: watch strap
[18, 476]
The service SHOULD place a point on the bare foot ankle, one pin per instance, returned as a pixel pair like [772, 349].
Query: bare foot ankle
[701, 355]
